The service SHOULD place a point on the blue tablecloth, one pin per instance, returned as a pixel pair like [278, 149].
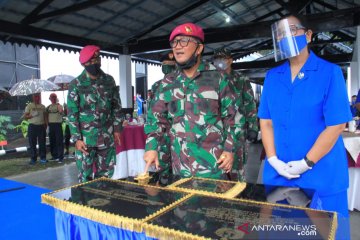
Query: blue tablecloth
[22, 215]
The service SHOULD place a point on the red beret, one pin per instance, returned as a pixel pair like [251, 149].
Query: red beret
[188, 29]
[53, 95]
[87, 53]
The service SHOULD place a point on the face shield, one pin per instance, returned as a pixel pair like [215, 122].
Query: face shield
[287, 42]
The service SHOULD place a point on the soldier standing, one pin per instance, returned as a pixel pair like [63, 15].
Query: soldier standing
[94, 117]
[168, 65]
[55, 114]
[199, 105]
[247, 108]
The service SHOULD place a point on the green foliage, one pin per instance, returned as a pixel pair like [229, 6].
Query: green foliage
[5, 125]
[23, 126]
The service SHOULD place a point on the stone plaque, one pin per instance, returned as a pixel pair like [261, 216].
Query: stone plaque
[112, 202]
[201, 217]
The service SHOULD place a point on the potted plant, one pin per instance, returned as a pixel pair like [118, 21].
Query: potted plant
[23, 126]
[5, 125]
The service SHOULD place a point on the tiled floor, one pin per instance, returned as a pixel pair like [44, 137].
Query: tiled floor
[65, 176]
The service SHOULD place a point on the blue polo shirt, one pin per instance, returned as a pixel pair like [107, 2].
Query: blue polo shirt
[300, 111]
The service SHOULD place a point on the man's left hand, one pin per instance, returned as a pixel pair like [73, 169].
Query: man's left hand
[297, 167]
[226, 161]
[117, 138]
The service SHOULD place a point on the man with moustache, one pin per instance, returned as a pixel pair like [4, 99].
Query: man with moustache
[199, 106]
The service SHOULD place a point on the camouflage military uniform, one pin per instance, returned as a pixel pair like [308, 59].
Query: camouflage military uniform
[164, 140]
[202, 113]
[94, 115]
[247, 108]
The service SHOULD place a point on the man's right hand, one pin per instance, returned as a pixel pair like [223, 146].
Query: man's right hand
[151, 157]
[280, 167]
[81, 146]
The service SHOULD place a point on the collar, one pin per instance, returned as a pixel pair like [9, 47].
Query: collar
[202, 67]
[311, 64]
[85, 79]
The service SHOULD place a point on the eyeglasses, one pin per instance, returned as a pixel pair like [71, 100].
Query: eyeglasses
[184, 42]
[293, 30]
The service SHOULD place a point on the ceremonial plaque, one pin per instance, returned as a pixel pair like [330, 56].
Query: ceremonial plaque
[209, 187]
[202, 217]
[115, 203]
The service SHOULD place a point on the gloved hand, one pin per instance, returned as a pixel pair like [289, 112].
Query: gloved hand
[297, 197]
[297, 167]
[278, 194]
[251, 136]
[280, 166]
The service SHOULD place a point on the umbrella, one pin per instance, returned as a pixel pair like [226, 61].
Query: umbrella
[32, 86]
[3, 94]
[61, 80]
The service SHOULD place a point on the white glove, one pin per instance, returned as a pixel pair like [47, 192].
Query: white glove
[280, 166]
[297, 197]
[278, 194]
[297, 167]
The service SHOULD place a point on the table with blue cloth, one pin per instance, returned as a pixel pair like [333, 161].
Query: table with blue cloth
[22, 214]
[193, 208]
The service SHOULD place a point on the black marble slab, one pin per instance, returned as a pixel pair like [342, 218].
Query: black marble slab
[217, 218]
[120, 198]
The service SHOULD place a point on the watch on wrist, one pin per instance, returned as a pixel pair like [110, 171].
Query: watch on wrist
[309, 162]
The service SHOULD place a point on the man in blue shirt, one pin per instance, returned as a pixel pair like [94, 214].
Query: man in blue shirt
[353, 107]
[357, 102]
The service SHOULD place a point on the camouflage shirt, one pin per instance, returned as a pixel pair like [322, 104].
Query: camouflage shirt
[164, 155]
[247, 109]
[247, 104]
[202, 115]
[94, 110]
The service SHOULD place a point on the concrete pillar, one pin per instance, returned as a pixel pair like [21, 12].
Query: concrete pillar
[355, 66]
[125, 81]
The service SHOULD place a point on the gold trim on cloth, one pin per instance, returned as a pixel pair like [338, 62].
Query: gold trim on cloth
[155, 231]
[229, 194]
[106, 218]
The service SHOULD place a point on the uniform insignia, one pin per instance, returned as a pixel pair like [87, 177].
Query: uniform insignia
[188, 29]
[301, 75]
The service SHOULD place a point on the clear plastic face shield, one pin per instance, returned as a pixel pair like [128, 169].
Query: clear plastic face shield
[287, 39]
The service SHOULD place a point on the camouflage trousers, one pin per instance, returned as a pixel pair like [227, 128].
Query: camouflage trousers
[98, 163]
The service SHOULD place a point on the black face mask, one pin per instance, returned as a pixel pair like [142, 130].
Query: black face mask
[190, 62]
[93, 69]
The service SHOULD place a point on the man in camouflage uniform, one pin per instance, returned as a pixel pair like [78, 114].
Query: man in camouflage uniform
[247, 108]
[94, 117]
[168, 66]
[200, 107]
